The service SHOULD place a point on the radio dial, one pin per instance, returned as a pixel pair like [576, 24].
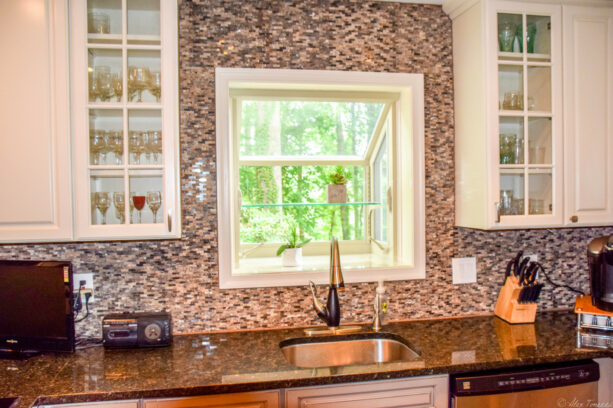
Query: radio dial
[153, 331]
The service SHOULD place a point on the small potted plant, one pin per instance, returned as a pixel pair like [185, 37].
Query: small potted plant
[292, 249]
[337, 189]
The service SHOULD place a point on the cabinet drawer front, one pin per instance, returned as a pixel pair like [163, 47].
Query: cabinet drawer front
[267, 399]
[101, 404]
[421, 392]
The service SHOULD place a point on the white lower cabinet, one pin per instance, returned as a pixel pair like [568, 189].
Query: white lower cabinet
[264, 399]
[101, 404]
[425, 392]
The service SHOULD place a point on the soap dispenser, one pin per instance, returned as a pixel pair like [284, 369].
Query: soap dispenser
[380, 306]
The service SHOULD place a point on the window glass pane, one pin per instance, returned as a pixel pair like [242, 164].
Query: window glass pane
[380, 186]
[306, 128]
[274, 198]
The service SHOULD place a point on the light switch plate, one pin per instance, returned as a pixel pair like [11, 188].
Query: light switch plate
[464, 270]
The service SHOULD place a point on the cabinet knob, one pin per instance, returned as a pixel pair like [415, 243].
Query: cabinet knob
[574, 218]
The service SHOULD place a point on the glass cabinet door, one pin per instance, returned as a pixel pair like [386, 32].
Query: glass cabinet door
[129, 135]
[526, 145]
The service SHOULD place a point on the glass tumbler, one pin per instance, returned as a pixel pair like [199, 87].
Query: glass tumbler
[506, 36]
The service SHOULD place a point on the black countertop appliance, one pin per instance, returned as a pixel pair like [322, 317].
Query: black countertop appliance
[600, 261]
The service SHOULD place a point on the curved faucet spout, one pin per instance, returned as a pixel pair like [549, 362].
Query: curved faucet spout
[317, 305]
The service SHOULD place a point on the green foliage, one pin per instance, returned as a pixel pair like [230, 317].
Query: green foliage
[293, 241]
[300, 128]
[339, 176]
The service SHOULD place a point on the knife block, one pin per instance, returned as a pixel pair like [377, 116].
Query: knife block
[509, 309]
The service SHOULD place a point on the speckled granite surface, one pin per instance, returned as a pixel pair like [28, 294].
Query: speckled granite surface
[249, 361]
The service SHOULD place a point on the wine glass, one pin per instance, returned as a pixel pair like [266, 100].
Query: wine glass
[102, 76]
[154, 143]
[102, 204]
[131, 202]
[138, 80]
[154, 199]
[97, 144]
[120, 206]
[139, 204]
[114, 143]
[155, 85]
[137, 145]
[117, 84]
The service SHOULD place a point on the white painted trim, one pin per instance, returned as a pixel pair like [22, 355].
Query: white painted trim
[411, 101]
[454, 8]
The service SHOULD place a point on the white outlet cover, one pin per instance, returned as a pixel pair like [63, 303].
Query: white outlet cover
[89, 282]
[464, 270]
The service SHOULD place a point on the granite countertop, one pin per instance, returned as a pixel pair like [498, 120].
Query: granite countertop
[201, 364]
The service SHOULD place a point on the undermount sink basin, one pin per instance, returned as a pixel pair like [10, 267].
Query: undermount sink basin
[331, 351]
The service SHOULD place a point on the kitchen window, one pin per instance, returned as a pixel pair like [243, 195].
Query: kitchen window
[282, 137]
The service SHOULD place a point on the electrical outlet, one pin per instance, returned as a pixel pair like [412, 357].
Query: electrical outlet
[87, 288]
[464, 270]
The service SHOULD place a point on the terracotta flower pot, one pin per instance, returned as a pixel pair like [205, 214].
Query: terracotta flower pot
[337, 193]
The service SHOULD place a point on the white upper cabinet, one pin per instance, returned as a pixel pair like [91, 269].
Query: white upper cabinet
[125, 119]
[35, 184]
[518, 164]
[588, 114]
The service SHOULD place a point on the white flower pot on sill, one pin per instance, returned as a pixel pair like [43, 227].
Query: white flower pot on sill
[292, 257]
[337, 193]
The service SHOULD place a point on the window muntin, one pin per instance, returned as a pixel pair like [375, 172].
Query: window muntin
[380, 188]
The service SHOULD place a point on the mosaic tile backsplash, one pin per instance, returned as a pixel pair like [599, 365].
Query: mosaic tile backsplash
[350, 35]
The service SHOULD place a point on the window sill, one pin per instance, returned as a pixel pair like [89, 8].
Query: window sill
[268, 271]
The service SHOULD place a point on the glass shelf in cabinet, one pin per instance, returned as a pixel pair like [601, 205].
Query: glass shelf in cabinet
[98, 39]
[510, 56]
[310, 204]
[147, 40]
[514, 113]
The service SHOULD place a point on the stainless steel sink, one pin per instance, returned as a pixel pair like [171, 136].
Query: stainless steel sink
[331, 351]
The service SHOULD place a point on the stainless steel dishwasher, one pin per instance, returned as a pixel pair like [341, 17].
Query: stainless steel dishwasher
[560, 385]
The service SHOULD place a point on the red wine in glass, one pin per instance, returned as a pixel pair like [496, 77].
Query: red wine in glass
[139, 204]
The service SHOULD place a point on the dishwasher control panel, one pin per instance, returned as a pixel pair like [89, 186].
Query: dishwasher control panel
[526, 378]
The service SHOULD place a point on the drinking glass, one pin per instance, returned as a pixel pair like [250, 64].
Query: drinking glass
[93, 87]
[102, 77]
[98, 23]
[154, 199]
[117, 86]
[155, 85]
[114, 142]
[139, 204]
[506, 36]
[154, 143]
[97, 144]
[131, 202]
[506, 199]
[102, 204]
[120, 206]
[530, 36]
[138, 80]
[137, 145]
[508, 148]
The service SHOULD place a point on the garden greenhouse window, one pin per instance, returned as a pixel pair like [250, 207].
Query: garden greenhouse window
[283, 136]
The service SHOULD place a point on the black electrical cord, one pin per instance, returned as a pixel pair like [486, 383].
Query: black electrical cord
[557, 285]
[88, 295]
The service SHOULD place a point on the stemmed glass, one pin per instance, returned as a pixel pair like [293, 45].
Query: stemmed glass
[102, 76]
[138, 78]
[154, 199]
[139, 204]
[102, 204]
[154, 143]
[120, 206]
[114, 143]
[131, 202]
[117, 85]
[155, 85]
[97, 144]
[137, 144]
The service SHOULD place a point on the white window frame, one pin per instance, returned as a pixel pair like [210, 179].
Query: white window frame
[408, 200]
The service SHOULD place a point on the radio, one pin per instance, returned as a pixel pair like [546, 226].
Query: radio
[130, 330]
